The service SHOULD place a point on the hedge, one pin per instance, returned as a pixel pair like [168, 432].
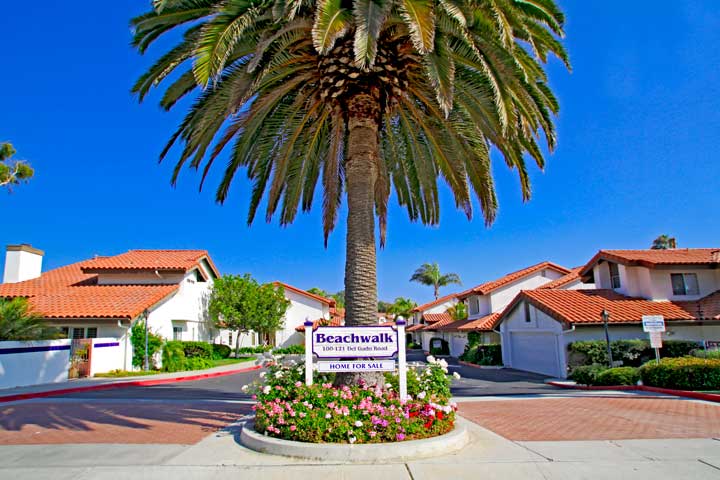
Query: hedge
[291, 350]
[173, 356]
[489, 354]
[630, 352]
[252, 350]
[686, 373]
[586, 374]
[618, 376]
[220, 351]
[198, 349]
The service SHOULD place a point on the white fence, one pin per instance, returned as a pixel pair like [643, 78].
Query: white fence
[48, 361]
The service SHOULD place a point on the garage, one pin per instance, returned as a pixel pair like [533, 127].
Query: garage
[457, 344]
[535, 351]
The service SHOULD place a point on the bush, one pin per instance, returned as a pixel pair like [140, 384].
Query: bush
[198, 349]
[414, 346]
[586, 374]
[712, 354]
[253, 350]
[198, 363]
[137, 339]
[630, 352]
[687, 373]
[443, 349]
[173, 357]
[490, 354]
[220, 351]
[618, 376]
[287, 408]
[678, 348]
[291, 350]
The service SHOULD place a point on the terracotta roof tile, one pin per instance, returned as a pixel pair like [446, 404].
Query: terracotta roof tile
[146, 260]
[487, 287]
[649, 258]
[706, 308]
[573, 276]
[435, 321]
[486, 323]
[415, 328]
[323, 322]
[585, 306]
[439, 301]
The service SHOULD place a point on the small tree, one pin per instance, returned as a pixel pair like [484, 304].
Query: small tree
[663, 242]
[458, 311]
[18, 322]
[231, 304]
[137, 339]
[12, 172]
[402, 306]
[269, 309]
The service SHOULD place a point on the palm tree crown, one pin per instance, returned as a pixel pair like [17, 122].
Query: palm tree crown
[429, 274]
[663, 242]
[359, 96]
[18, 322]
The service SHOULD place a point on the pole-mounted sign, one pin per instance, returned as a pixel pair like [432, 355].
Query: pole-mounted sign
[654, 325]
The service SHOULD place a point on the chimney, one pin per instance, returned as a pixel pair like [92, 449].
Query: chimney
[22, 262]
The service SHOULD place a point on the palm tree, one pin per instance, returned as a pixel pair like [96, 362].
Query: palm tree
[429, 274]
[458, 311]
[18, 322]
[402, 306]
[359, 95]
[663, 242]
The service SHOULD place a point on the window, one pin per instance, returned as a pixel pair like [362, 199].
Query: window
[527, 312]
[474, 305]
[614, 275]
[65, 331]
[78, 333]
[230, 335]
[685, 284]
[177, 333]
[91, 332]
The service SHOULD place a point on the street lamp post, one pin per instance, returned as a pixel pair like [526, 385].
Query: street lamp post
[605, 315]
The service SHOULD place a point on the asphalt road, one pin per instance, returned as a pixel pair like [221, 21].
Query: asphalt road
[473, 382]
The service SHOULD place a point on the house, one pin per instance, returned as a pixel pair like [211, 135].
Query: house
[682, 285]
[105, 296]
[427, 314]
[485, 301]
[303, 306]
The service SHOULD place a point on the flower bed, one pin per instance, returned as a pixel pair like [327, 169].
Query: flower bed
[320, 413]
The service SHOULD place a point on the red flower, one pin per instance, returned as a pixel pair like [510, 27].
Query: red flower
[429, 423]
[440, 415]
[414, 414]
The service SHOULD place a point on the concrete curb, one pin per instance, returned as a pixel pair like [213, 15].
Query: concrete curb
[123, 384]
[370, 453]
[709, 397]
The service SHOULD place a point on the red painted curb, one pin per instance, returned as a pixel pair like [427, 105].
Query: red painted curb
[468, 364]
[132, 383]
[710, 397]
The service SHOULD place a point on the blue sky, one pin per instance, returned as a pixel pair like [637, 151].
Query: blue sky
[638, 134]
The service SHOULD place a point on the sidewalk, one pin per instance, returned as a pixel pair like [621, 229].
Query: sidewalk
[87, 384]
[489, 456]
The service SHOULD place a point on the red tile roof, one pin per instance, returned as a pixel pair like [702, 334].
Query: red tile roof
[486, 323]
[305, 293]
[415, 328]
[585, 306]
[323, 322]
[73, 292]
[488, 287]
[705, 308]
[571, 277]
[439, 301]
[431, 318]
[182, 260]
[650, 258]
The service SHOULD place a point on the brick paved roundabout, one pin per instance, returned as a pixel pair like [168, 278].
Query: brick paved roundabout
[115, 421]
[596, 418]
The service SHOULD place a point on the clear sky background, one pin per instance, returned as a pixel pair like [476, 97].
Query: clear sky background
[639, 131]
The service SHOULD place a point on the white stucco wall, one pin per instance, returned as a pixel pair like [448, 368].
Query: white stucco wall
[478, 306]
[441, 307]
[107, 355]
[301, 308]
[34, 368]
[501, 298]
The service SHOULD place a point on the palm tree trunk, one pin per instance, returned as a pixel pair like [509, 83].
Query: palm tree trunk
[437, 292]
[360, 263]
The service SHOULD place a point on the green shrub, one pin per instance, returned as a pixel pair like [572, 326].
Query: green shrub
[618, 376]
[712, 354]
[443, 349]
[413, 346]
[687, 373]
[137, 339]
[253, 350]
[198, 349]
[630, 352]
[290, 350]
[489, 354]
[586, 374]
[470, 354]
[678, 348]
[198, 363]
[220, 351]
[474, 338]
[173, 357]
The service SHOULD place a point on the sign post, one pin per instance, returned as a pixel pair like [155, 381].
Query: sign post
[308, 352]
[402, 361]
[654, 325]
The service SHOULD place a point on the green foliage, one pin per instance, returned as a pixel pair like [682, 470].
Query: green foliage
[220, 351]
[587, 374]
[12, 172]
[664, 242]
[402, 307]
[686, 373]
[618, 376]
[479, 354]
[198, 363]
[18, 322]
[290, 350]
[287, 408]
[474, 338]
[254, 350]
[631, 352]
[443, 349]
[458, 312]
[384, 307]
[678, 348]
[137, 339]
[413, 346]
[711, 354]
[198, 349]
[240, 303]
[429, 274]
[173, 356]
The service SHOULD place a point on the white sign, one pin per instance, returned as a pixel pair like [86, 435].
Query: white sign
[354, 342]
[653, 323]
[357, 366]
[656, 339]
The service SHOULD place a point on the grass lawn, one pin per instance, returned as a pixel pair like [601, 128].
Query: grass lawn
[142, 373]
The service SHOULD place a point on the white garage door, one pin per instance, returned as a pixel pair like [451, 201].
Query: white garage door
[535, 352]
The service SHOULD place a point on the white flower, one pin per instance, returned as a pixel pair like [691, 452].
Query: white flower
[278, 374]
[266, 389]
[421, 395]
[431, 359]
[244, 388]
[358, 423]
[262, 374]
[388, 386]
[327, 415]
[456, 375]
[442, 363]
[352, 439]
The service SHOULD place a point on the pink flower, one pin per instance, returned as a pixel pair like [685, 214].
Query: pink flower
[293, 428]
[372, 434]
[298, 384]
[400, 437]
